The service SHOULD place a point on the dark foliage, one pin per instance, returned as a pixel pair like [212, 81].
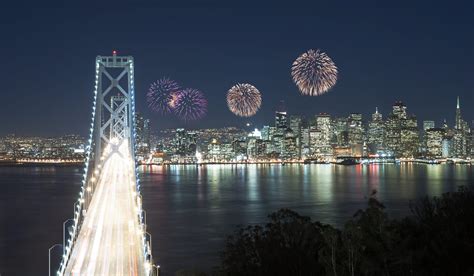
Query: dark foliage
[438, 239]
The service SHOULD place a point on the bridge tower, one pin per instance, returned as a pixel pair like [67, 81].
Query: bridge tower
[113, 113]
[113, 116]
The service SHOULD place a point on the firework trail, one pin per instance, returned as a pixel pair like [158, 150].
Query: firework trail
[190, 104]
[162, 94]
[314, 73]
[244, 100]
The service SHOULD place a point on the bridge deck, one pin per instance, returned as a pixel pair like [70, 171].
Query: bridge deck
[110, 239]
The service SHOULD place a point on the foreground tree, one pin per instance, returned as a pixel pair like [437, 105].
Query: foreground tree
[438, 239]
[444, 227]
[288, 245]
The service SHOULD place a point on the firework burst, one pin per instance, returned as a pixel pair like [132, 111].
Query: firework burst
[190, 104]
[314, 73]
[162, 95]
[244, 100]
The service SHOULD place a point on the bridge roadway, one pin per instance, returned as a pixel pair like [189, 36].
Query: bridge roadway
[110, 239]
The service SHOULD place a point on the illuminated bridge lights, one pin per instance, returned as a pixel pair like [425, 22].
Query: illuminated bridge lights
[105, 180]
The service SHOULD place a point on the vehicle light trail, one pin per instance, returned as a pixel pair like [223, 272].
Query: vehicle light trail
[110, 241]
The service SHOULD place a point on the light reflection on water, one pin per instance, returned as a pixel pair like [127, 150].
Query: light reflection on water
[191, 209]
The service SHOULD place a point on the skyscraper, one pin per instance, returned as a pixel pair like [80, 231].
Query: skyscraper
[280, 117]
[295, 126]
[458, 121]
[340, 132]
[375, 133]
[426, 125]
[142, 128]
[356, 129]
[435, 138]
[460, 134]
[323, 141]
[409, 137]
[401, 132]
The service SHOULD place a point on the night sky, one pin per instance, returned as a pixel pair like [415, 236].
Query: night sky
[420, 53]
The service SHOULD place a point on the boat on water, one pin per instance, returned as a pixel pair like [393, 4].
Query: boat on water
[315, 161]
[347, 161]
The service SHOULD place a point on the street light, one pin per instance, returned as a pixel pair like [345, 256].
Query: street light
[49, 257]
[149, 235]
[157, 269]
[64, 234]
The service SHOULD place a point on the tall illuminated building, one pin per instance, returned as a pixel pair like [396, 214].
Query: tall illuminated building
[314, 138]
[266, 133]
[434, 137]
[461, 132]
[281, 122]
[401, 132]
[289, 147]
[295, 126]
[447, 147]
[459, 123]
[305, 142]
[427, 124]
[356, 134]
[375, 132]
[409, 137]
[470, 140]
[142, 130]
[340, 132]
[322, 143]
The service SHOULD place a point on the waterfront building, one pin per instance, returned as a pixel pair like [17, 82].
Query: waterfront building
[213, 151]
[355, 129]
[375, 133]
[447, 147]
[427, 124]
[305, 143]
[435, 138]
[277, 143]
[322, 136]
[314, 136]
[401, 132]
[261, 149]
[460, 134]
[266, 133]
[239, 149]
[409, 137]
[356, 134]
[142, 129]
[252, 148]
[393, 133]
[340, 132]
[290, 148]
[184, 146]
[295, 126]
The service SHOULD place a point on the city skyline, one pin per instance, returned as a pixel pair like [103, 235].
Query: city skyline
[289, 138]
[392, 56]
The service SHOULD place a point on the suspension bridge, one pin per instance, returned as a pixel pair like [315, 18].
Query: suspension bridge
[108, 234]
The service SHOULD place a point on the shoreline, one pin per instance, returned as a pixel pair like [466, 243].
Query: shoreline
[41, 164]
[427, 162]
